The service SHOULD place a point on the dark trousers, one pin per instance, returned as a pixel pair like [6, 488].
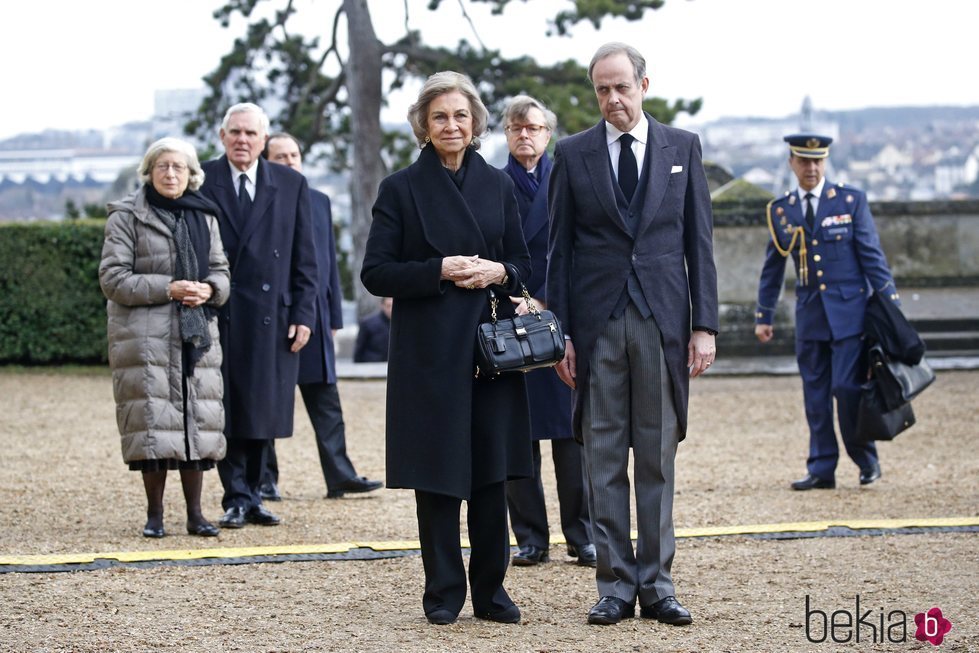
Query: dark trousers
[241, 472]
[525, 499]
[833, 368]
[445, 572]
[322, 401]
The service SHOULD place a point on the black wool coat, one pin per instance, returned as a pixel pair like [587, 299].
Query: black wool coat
[446, 431]
[273, 285]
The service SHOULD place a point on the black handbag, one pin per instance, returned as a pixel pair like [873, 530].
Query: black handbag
[520, 343]
[897, 382]
[875, 421]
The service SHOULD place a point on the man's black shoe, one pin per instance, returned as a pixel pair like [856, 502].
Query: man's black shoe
[587, 557]
[269, 491]
[261, 516]
[667, 611]
[869, 475]
[610, 610]
[528, 556]
[441, 617]
[355, 485]
[234, 517]
[811, 482]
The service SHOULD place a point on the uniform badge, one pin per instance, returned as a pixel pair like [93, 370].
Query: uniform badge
[849, 199]
[792, 200]
[783, 220]
[812, 143]
[780, 211]
[831, 193]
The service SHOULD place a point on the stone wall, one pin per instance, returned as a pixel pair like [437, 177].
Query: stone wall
[929, 245]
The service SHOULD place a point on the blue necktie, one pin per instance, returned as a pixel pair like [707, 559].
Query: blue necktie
[628, 168]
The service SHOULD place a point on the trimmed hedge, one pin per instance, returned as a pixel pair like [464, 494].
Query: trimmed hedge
[51, 307]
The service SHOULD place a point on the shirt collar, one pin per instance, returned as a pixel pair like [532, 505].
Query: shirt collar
[817, 192]
[640, 132]
[251, 173]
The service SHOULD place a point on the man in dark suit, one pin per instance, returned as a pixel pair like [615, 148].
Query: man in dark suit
[317, 360]
[374, 334]
[830, 233]
[631, 257]
[267, 229]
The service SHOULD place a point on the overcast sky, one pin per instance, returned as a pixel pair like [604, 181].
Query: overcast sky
[71, 65]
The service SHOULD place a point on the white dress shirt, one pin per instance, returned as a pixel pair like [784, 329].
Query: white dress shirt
[250, 174]
[640, 132]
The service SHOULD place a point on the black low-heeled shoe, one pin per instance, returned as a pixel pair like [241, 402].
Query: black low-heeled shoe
[155, 533]
[204, 529]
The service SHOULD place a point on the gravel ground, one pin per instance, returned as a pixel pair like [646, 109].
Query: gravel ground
[66, 490]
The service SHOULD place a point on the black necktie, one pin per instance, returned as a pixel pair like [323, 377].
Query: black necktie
[244, 199]
[810, 214]
[628, 168]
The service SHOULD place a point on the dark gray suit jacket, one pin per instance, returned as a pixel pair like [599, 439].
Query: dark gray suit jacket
[592, 250]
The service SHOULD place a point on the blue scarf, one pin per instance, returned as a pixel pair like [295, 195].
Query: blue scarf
[523, 180]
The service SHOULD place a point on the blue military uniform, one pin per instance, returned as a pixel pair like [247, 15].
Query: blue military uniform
[839, 263]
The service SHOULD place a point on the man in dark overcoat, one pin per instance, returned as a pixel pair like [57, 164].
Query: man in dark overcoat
[267, 229]
[528, 125]
[830, 234]
[317, 360]
[631, 276]
[374, 335]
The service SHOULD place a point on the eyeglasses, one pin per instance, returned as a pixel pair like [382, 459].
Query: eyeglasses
[178, 168]
[532, 130]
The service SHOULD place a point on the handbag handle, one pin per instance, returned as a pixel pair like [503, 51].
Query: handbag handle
[531, 306]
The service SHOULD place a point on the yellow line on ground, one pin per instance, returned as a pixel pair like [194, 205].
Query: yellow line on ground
[413, 545]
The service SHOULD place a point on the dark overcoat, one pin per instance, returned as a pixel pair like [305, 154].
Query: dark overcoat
[273, 285]
[592, 251]
[550, 398]
[317, 360]
[446, 431]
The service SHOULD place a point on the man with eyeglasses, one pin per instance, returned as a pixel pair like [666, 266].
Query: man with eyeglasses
[528, 126]
[267, 229]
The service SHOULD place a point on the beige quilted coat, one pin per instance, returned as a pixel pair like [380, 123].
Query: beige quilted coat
[138, 259]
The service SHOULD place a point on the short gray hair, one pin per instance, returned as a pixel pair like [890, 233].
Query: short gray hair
[609, 49]
[247, 107]
[169, 144]
[519, 106]
[438, 84]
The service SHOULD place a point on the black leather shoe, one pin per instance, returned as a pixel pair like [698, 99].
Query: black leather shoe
[585, 553]
[610, 610]
[667, 611]
[528, 556]
[355, 485]
[261, 516]
[234, 517]
[269, 492]
[156, 533]
[869, 475]
[440, 617]
[510, 615]
[204, 529]
[811, 482]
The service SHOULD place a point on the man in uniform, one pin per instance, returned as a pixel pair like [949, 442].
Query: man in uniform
[829, 232]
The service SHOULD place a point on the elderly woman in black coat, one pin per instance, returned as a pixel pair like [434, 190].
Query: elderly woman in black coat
[445, 230]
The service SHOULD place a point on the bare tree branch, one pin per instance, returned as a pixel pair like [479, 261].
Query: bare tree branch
[465, 14]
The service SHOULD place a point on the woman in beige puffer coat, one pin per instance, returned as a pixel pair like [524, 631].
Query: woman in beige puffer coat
[164, 271]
